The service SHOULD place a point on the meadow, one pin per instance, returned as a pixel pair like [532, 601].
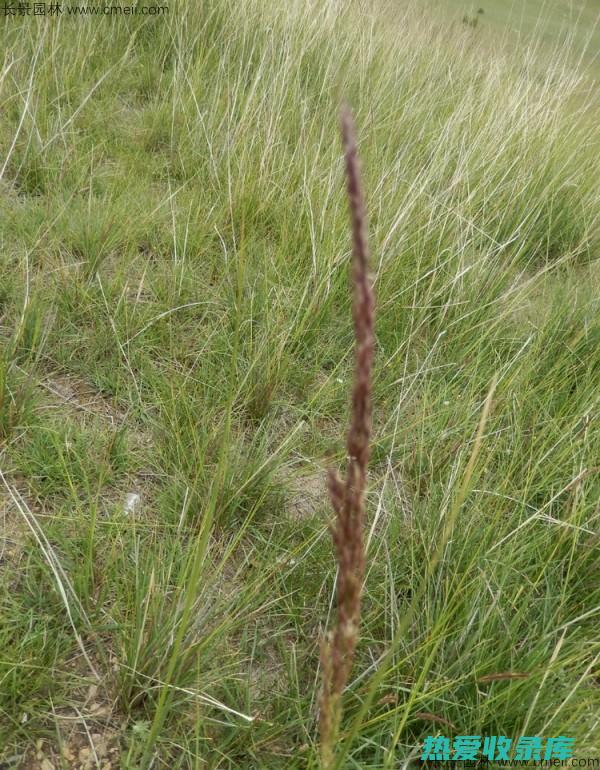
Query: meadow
[176, 356]
[550, 23]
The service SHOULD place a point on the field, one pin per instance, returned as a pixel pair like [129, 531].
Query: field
[176, 357]
[539, 23]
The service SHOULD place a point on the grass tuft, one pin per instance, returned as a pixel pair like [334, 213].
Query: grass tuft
[173, 330]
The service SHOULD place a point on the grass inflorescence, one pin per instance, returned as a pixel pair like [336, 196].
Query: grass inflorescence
[348, 496]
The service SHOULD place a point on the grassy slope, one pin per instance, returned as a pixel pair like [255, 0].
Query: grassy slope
[175, 322]
[575, 23]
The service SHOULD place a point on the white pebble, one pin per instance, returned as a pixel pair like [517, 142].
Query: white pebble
[132, 503]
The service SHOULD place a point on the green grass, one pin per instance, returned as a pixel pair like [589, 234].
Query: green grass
[574, 24]
[175, 322]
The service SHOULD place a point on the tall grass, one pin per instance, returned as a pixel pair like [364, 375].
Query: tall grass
[173, 198]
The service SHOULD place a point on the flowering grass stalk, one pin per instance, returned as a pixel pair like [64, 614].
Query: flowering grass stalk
[347, 496]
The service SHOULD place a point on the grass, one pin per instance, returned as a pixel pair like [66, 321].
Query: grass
[348, 496]
[546, 23]
[175, 323]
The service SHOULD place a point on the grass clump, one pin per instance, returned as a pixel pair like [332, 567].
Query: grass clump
[176, 231]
